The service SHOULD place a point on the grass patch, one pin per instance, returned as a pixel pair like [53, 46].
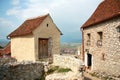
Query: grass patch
[57, 69]
[52, 69]
[60, 70]
[93, 74]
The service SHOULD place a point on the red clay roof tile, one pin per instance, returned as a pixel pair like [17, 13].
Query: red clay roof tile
[106, 10]
[6, 50]
[28, 26]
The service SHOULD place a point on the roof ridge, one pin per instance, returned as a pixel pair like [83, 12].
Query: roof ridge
[37, 17]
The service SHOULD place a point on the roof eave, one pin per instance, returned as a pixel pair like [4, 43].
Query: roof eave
[114, 16]
[19, 35]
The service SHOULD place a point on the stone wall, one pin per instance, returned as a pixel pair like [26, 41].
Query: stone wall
[21, 71]
[7, 60]
[68, 61]
[105, 58]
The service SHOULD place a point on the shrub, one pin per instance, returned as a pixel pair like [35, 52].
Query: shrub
[52, 69]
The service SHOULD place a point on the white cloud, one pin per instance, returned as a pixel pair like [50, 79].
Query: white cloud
[13, 11]
[33, 1]
[27, 13]
[68, 7]
[15, 2]
[5, 23]
[35, 8]
[6, 27]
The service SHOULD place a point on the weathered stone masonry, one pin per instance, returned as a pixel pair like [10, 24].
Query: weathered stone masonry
[21, 71]
[105, 58]
[67, 61]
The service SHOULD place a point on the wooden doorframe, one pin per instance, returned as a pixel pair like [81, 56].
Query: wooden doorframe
[39, 54]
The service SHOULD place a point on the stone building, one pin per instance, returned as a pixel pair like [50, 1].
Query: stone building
[35, 39]
[101, 38]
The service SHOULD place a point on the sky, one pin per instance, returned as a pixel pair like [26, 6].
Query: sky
[68, 15]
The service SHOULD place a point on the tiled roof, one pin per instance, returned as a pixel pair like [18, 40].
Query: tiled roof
[6, 50]
[106, 10]
[1, 51]
[28, 26]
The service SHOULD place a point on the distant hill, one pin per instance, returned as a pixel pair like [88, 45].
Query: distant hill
[70, 45]
[1, 47]
[3, 43]
[71, 40]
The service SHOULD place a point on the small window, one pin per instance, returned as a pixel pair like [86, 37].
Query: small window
[88, 39]
[88, 36]
[100, 34]
[118, 29]
[100, 37]
[103, 56]
[47, 25]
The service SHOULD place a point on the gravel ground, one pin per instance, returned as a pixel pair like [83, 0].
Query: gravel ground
[65, 76]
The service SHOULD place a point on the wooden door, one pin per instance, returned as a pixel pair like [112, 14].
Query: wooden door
[43, 48]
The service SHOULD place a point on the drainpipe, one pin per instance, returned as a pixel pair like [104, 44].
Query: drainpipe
[83, 55]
